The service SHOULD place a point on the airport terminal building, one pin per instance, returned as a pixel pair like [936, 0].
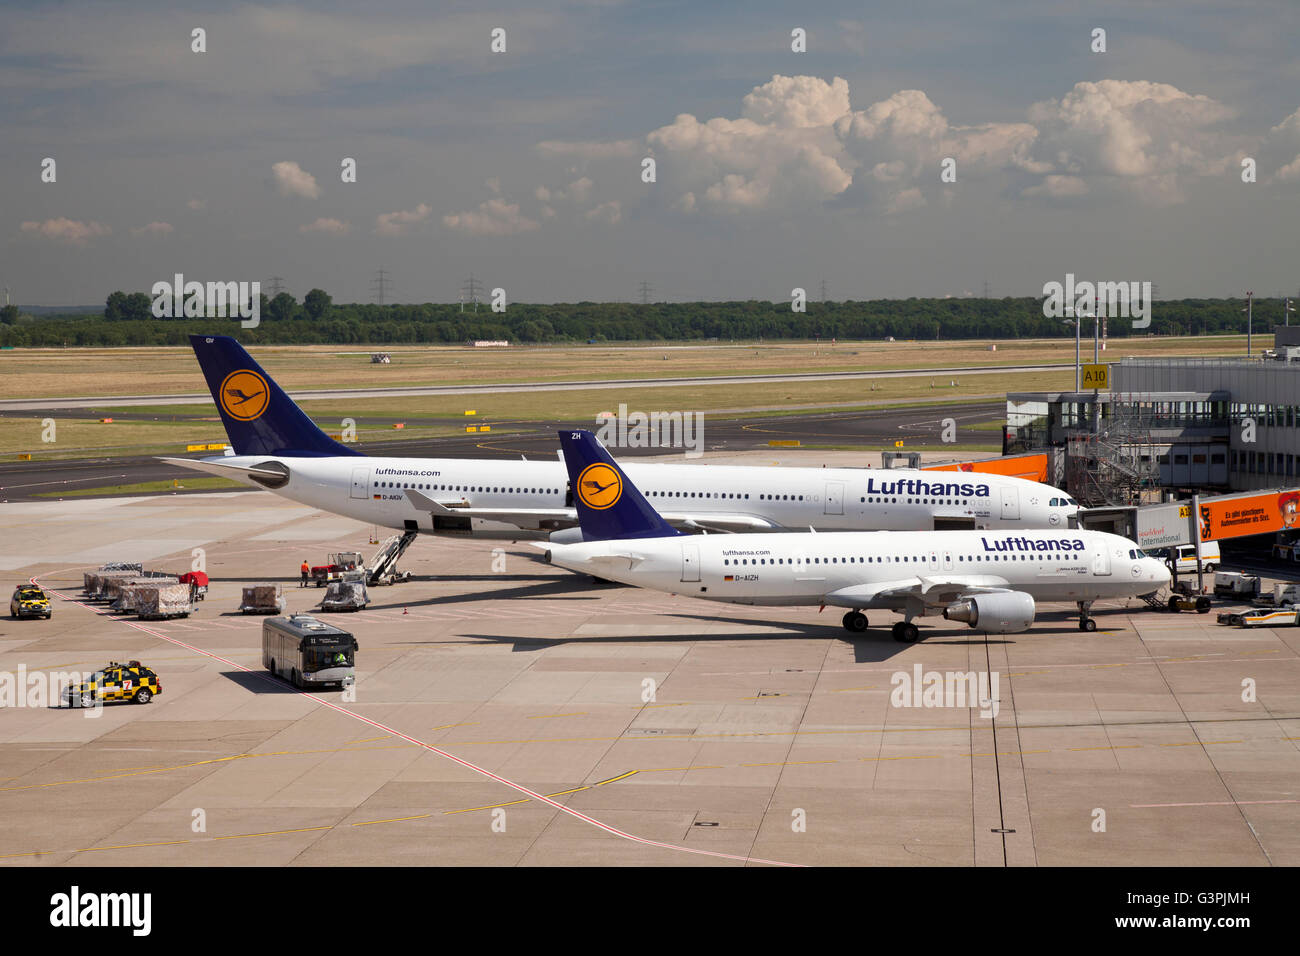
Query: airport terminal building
[1178, 425]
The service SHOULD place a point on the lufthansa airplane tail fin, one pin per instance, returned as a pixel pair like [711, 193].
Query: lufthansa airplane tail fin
[609, 505]
[260, 418]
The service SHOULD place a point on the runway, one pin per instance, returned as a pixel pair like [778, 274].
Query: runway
[197, 398]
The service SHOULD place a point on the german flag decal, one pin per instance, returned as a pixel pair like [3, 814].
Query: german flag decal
[728, 577]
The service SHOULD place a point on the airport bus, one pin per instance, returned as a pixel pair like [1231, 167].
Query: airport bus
[308, 652]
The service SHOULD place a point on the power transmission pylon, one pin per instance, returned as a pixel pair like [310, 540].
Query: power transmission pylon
[823, 291]
[645, 290]
[470, 290]
[276, 284]
[379, 285]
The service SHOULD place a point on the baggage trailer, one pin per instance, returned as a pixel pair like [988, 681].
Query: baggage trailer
[349, 595]
[162, 601]
[262, 599]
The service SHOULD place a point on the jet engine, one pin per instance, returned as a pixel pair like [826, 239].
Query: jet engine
[1003, 612]
[566, 536]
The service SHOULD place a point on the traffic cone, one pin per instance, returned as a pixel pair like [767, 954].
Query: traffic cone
[405, 611]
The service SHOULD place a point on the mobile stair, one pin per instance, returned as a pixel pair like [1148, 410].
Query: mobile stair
[383, 566]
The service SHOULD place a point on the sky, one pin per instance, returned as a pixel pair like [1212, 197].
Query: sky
[912, 149]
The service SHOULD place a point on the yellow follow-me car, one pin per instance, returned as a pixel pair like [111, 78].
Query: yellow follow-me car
[131, 681]
[29, 601]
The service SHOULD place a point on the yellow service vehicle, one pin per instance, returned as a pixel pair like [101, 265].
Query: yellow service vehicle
[131, 681]
[29, 601]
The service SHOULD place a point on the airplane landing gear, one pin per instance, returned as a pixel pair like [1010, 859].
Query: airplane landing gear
[905, 632]
[1086, 623]
[855, 621]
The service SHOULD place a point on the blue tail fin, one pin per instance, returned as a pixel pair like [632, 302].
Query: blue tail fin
[609, 505]
[259, 417]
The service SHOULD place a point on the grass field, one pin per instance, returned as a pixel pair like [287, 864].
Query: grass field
[78, 436]
[148, 488]
[45, 373]
[167, 371]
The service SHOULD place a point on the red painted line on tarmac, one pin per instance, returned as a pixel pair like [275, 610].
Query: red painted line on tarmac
[1217, 803]
[442, 753]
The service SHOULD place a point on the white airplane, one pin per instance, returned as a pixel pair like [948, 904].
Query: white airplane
[988, 579]
[277, 446]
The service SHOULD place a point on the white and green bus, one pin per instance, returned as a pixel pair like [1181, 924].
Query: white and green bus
[308, 652]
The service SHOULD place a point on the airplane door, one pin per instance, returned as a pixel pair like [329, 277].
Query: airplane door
[1010, 504]
[834, 497]
[360, 482]
[933, 563]
[947, 560]
[1101, 563]
[690, 562]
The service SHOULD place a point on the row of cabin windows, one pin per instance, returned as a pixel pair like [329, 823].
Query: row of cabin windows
[424, 487]
[896, 559]
[698, 494]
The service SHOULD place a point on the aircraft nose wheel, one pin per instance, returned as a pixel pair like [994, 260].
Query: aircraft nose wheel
[855, 621]
[1086, 623]
[905, 632]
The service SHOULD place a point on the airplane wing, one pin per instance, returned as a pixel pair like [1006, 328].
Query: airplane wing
[931, 591]
[509, 515]
[215, 466]
[725, 522]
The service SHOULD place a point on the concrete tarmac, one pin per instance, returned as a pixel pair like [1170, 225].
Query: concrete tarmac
[653, 730]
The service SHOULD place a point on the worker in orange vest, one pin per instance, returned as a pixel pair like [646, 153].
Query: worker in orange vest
[305, 571]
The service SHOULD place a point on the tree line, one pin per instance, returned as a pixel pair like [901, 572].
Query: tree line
[128, 320]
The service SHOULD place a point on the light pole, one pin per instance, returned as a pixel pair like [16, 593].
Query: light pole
[1250, 301]
[1287, 309]
[1078, 369]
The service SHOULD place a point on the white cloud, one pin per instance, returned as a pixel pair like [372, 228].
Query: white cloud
[911, 198]
[326, 227]
[782, 150]
[154, 229]
[1283, 141]
[495, 217]
[900, 143]
[797, 101]
[1141, 135]
[607, 212]
[399, 223]
[70, 231]
[292, 180]
[1058, 187]
[798, 143]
